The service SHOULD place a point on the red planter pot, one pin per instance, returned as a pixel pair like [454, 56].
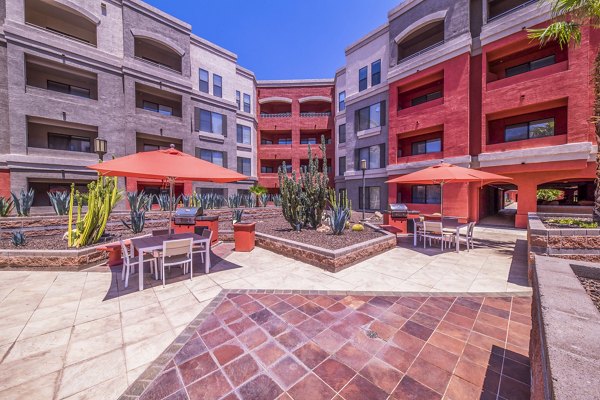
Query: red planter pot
[244, 236]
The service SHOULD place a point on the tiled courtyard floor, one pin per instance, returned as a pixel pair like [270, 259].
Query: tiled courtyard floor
[82, 335]
[353, 347]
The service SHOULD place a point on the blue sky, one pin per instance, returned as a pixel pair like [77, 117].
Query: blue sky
[282, 39]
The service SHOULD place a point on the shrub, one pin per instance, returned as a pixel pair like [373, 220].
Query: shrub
[17, 238]
[23, 202]
[549, 194]
[60, 202]
[339, 213]
[6, 206]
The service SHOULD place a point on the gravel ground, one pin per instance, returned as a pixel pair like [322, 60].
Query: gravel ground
[280, 228]
[56, 242]
[592, 287]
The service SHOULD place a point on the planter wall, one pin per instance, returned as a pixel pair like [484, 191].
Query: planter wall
[61, 259]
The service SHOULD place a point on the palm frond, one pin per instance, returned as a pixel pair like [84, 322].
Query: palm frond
[563, 32]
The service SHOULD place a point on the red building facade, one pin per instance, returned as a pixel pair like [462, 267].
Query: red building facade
[293, 115]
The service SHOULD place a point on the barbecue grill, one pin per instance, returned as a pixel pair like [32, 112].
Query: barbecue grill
[186, 215]
[398, 210]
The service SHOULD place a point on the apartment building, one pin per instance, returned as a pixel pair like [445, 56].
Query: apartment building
[122, 71]
[293, 116]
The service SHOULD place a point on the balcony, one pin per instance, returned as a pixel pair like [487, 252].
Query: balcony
[53, 76]
[275, 107]
[146, 142]
[157, 101]
[422, 147]
[276, 115]
[62, 21]
[427, 92]
[280, 139]
[315, 106]
[59, 138]
[500, 8]
[422, 40]
[157, 54]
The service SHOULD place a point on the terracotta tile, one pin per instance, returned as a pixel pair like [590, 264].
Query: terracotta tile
[281, 308]
[473, 304]
[522, 319]
[516, 371]
[476, 355]
[324, 301]
[502, 303]
[357, 319]
[417, 330]
[269, 353]
[518, 354]
[275, 326]
[382, 301]
[495, 362]
[253, 338]
[311, 327]
[443, 303]
[491, 383]
[311, 355]
[251, 307]
[284, 396]
[197, 368]
[310, 308]
[241, 299]
[371, 310]
[495, 311]
[429, 375]
[260, 388]
[214, 386]
[519, 329]
[325, 317]
[411, 302]
[227, 352]
[383, 330]
[471, 372]
[397, 358]
[231, 316]
[241, 370]
[352, 302]
[287, 372]
[334, 373]
[296, 300]
[402, 311]
[489, 330]
[460, 320]
[447, 343]
[241, 325]
[381, 374]
[518, 340]
[392, 319]
[192, 348]
[262, 316]
[343, 329]
[338, 309]
[329, 341]
[483, 341]
[459, 389]
[408, 343]
[453, 330]
[216, 338]
[164, 385]
[425, 320]
[223, 308]
[291, 339]
[352, 356]
[463, 311]
[432, 311]
[360, 388]
[210, 323]
[439, 357]
[492, 320]
[294, 317]
[182, 395]
[409, 389]
[513, 389]
[311, 388]
[269, 300]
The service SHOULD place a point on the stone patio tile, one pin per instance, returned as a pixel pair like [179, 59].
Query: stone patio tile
[146, 328]
[352, 356]
[269, 353]
[197, 368]
[429, 375]
[241, 370]
[360, 388]
[42, 388]
[145, 351]
[213, 386]
[410, 388]
[78, 377]
[311, 354]
[261, 387]
[39, 344]
[380, 374]
[90, 347]
[110, 389]
[287, 372]
[30, 368]
[96, 327]
[311, 387]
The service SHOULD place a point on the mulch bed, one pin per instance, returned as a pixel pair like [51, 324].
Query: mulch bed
[592, 287]
[549, 224]
[280, 228]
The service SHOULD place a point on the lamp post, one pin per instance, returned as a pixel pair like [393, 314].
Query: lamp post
[100, 146]
[363, 168]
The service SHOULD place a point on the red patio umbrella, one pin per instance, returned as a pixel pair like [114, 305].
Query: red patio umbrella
[170, 165]
[447, 173]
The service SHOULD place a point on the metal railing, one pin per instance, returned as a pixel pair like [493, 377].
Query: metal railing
[275, 115]
[158, 65]
[61, 34]
[523, 5]
[418, 53]
[315, 114]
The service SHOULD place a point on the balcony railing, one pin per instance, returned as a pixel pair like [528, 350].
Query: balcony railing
[64, 35]
[523, 5]
[155, 64]
[276, 115]
[315, 114]
[418, 53]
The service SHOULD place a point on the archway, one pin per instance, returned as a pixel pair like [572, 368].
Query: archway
[498, 204]
[566, 196]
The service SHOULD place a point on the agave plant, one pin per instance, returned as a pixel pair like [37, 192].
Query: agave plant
[186, 200]
[234, 201]
[6, 205]
[139, 203]
[163, 200]
[60, 202]
[23, 202]
[17, 238]
[237, 216]
[264, 199]
[276, 199]
[138, 220]
[339, 213]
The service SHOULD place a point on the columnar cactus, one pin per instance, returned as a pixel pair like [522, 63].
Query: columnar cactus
[292, 198]
[315, 185]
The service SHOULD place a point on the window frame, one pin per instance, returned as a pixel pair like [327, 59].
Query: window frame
[342, 133]
[370, 152]
[238, 100]
[223, 154]
[425, 143]
[210, 121]
[529, 66]
[203, 84]
[69, 138]
[241, 162]
[360, 124]
[528, 125]
[342, 100]
[341, 165]
[363, 82]
[217, 88]
[375, 73]
[249, 103]
[368, 196]
[240, 130]
[68, 89]
[427, 200]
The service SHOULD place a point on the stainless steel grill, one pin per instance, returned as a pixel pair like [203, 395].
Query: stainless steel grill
[186, 215]
[398, 210]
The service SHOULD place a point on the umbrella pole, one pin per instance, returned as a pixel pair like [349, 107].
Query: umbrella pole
[442, 200]
[171, 180]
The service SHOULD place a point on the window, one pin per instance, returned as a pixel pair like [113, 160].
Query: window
[213, 156]
[376, 73]
[203, 80]
[57, 141]
[372, 198]
[374, 155]
[426, 194]
[212, 122]
[247, 103]
[68, 89]
[244, 166]
[103, 9]
[529, 130]
[342, 101]
[342, 133]
[154, 147]
[284, 141]
[342, 166]
[530, 66]
[426, 146]
[426, 97]
[238, 99]
[244, 134]
[266, 169]
[217, 85]
[308, 140]
[362, 78]
[370, 117]
[158, 108]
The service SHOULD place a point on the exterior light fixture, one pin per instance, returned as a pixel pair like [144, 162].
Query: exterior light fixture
[100, 146]
[363, 168]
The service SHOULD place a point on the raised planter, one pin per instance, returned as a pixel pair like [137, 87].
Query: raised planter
[330, 260]
[564, 346]
[244, 236]
[62, 259]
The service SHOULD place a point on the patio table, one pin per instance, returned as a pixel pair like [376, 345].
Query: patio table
[149, 244]
[450, 225]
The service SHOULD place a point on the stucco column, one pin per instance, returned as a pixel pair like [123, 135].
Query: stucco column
[526, 202]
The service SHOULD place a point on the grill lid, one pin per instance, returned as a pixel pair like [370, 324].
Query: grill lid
[187, 212]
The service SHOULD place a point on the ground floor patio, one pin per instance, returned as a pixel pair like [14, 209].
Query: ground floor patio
[83, 335]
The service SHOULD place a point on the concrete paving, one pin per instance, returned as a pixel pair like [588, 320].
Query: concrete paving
[82, 335]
